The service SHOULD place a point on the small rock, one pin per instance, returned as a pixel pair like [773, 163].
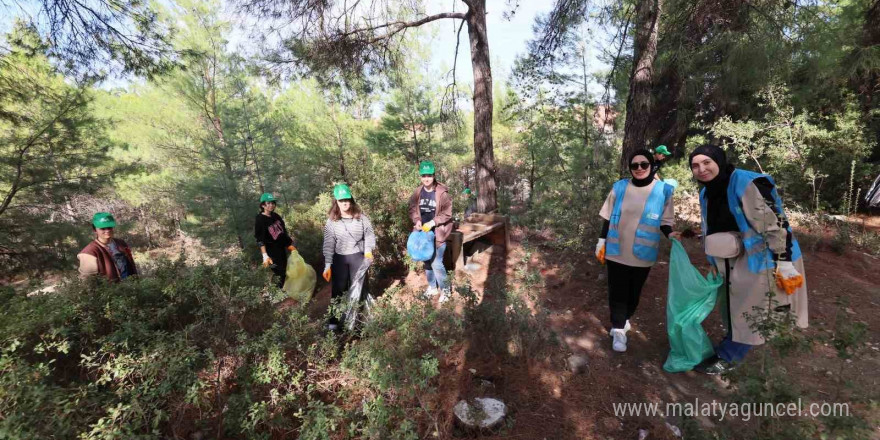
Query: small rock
[643, 434]
[674, 429]
[473, 371]
[484, 413]
[578, 363]
[850, 311]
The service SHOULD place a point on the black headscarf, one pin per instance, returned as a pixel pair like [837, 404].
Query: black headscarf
[650, 157]
[718, 215]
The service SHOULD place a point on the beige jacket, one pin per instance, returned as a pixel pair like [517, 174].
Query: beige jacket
[748, 291]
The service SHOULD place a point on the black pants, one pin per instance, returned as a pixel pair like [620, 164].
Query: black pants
[279, 262]
[624, 289]
[342, 270]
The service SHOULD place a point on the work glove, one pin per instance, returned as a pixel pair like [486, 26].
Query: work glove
[291, 248]
[787, 277]
[267, 261]
[600, 251]
[428, 226]
[326, 275]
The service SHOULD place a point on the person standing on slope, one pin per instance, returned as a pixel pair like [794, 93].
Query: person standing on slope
[272, 237]
[748, 240]
[348, 241]
[430, 208]
[636, 212]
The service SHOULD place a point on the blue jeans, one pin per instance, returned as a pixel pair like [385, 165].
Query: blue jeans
[434, 269]
[732, 351]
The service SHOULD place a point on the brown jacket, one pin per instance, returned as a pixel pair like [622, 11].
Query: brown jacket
[95, 259]
[443, 217]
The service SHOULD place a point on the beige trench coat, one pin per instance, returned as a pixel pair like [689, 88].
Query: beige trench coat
[749, 291]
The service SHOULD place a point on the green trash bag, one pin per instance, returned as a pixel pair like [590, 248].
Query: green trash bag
[301, 278]
[690, 299]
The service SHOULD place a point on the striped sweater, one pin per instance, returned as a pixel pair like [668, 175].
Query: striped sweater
[345, 237]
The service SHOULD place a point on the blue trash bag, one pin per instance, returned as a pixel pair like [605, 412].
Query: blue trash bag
[420, 245]
[690, 300]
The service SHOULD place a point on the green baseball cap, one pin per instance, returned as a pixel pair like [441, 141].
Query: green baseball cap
[426, 167]
[103, 220]
[341, 192]
[662, 150]
[267, 197]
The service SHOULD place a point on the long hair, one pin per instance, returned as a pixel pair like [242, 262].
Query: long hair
[334, 213]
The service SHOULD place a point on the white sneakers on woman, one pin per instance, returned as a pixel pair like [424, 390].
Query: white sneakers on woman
[618, 337]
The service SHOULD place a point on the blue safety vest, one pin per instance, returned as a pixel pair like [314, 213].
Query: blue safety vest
[759, 256]
[647, 240]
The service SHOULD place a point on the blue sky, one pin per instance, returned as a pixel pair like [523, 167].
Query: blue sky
[507, 37]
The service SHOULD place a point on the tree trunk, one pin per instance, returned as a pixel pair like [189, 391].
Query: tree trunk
[867, 85]
[638, 102]
[484, 156]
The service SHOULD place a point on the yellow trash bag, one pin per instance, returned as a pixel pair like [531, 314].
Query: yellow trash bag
[301, 278]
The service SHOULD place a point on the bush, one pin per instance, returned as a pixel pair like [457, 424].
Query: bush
[187, 349]
[207, 349]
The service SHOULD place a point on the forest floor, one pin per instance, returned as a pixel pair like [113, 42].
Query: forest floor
[547, 401]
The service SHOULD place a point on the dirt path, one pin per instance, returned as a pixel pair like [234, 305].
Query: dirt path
[549, 402]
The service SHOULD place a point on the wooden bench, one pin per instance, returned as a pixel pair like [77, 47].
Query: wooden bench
[492, 228]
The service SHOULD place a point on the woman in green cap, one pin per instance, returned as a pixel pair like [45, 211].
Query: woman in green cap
[348, 240]
[106, 256]
[430, 208]
[272, 237]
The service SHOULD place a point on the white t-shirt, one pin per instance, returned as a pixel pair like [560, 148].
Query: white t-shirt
[630, 213]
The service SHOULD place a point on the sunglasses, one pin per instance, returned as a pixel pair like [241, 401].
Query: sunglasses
[642, 165]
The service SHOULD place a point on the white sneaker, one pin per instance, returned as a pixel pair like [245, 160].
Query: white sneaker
[626, 327]
[431, 292]
[444, 296]
[618, 337]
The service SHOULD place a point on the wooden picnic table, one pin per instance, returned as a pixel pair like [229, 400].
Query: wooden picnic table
[492, 228]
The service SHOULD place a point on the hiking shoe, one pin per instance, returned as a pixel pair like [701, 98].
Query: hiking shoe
[431, 292]
[445, 294]
[618, 340]
[626, 327]
[714, 366]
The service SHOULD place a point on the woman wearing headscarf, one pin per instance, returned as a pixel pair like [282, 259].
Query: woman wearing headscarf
[748, 240]
[636, 211]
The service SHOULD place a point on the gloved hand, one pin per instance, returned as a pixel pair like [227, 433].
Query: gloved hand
[291, 248]
[600, 251]
[368, 255]
[326, 275]
[787, 277]
[428, 226]
[267, 261]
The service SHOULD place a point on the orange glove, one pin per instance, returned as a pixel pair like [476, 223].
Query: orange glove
[600, 251]
[326, 275]
[291, 248]
[787, 277]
